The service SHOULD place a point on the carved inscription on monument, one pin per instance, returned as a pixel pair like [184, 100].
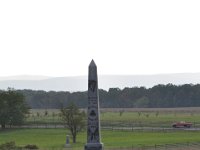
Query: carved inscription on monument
[92, 85]
[93, 124]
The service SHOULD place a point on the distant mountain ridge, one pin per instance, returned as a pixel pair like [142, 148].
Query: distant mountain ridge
[79, 83]
[24, 77]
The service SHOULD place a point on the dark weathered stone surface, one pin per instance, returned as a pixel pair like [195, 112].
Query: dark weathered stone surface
[93, 128]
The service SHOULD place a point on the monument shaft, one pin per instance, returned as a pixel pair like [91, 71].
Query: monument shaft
[93, 128]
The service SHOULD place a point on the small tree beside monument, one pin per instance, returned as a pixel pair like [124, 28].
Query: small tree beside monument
[74, 119]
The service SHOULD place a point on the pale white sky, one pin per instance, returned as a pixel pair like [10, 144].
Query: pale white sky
[60, 37]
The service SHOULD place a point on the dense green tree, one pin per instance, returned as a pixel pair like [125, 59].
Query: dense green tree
[74, 119]
[142, 102]
[12, 108]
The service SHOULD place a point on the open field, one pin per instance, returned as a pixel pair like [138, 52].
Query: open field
[145, 117]
[55, 138]
[116, 139]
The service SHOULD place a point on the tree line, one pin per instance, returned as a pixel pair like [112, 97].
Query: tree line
[169, 95]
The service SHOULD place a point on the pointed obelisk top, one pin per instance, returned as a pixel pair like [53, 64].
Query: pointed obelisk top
[92, 64]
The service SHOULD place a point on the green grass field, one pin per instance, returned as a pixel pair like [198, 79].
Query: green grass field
[159, 117]
[148, 119]
[55, 138]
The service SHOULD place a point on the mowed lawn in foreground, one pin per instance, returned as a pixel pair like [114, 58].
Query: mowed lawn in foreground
[55, 138]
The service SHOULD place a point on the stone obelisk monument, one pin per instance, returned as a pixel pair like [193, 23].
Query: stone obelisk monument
[93, 127]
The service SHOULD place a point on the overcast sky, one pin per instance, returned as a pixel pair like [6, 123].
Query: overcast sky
[60, 37]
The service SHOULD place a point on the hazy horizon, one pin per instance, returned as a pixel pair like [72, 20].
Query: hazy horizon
[41, 77]
[79, 83]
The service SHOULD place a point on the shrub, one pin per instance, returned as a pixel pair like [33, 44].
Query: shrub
[121, 112]
[8, 146]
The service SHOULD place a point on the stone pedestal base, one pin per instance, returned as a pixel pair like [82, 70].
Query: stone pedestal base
[94, 146]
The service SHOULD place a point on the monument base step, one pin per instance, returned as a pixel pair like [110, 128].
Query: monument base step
[94, 146]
